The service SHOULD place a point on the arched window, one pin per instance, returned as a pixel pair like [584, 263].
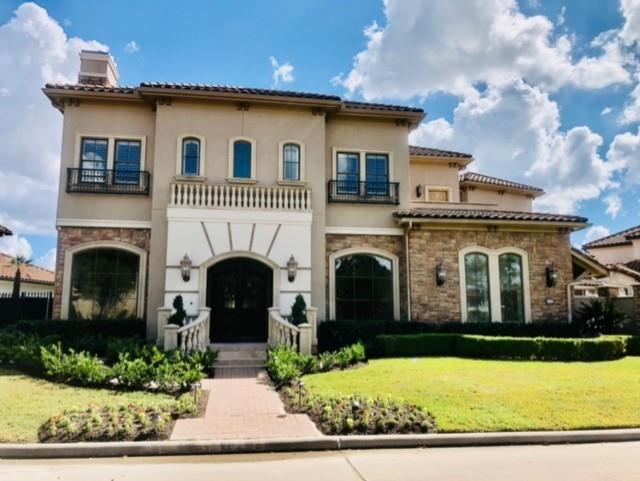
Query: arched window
[104, 284]
[291, 161]
[242, 159]
[476, 270]
[364, 287]
[511, 287]
[190, 156]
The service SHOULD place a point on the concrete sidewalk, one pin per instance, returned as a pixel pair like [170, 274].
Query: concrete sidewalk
[584, 462]
[243, 405]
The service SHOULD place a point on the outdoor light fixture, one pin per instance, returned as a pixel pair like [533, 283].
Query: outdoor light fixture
[185, 268]
[292, 268]
[441, 274]
[418, 190]
[552, 275]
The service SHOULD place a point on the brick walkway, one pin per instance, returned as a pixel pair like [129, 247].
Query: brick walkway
[243, 405]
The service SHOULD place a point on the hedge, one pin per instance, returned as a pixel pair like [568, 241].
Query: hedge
[334, 335]
[518, 348]
[79, 328]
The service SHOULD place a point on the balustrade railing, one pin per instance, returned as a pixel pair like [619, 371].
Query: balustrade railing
[283, 333]
[193, 336]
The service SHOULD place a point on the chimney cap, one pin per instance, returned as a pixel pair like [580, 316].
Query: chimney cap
[98, 67]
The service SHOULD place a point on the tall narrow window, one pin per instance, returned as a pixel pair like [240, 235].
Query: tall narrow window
[511, 288]
[291, 162]
[190, 156]
[377, 174]
[93, 160]
[476, 271]
[348, 173]
[127, 162]
[242, 159]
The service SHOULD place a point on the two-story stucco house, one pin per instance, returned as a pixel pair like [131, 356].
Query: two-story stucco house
[239, 199]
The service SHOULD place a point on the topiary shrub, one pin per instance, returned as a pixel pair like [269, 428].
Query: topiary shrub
[180, 315]
[299, 311]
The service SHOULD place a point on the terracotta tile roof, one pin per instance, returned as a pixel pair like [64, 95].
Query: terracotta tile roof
[618, 239]
[92, 88]
[635, 265]
[4, 231]
[429, 152]
[627, 269]
[498, 215]
[373, 106]
[475, 178]
[28, 273]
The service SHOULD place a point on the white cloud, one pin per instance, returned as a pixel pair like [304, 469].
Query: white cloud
[34, 49]
[427, 47]
[606, 111]
[561, 16]
[630, 31]
[614, 204]
[624, 152]
[48, 261]
[16, 246]
[596, 232]
[631, 112]
[516, 129]
[281, 73]
[132, 47]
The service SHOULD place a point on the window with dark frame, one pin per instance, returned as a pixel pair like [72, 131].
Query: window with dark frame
[126, 162]
[190, 156]
[348, 173]
[93, 160]
[377, 174]
[291, 162]
[511, 287]
[477, 288]
[242, 159]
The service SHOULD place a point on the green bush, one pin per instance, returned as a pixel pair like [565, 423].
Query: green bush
[633, 345]
[299, 311]
[78, 328]
[598, 317]
[73, 367]
[487, 347]
[285, 365]
[334, 335]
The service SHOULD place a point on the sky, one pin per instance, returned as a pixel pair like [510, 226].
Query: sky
[545, 92]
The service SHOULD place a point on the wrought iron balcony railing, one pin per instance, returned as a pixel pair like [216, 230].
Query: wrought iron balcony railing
[363, 192]
[102, 181]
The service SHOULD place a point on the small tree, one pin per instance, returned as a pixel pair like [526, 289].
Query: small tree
[299, 311]
[598, 317]
[180, 315]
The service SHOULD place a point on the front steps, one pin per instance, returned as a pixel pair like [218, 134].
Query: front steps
[241, 355]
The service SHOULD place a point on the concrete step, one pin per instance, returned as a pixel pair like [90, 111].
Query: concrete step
[240, 363]
[241, 355]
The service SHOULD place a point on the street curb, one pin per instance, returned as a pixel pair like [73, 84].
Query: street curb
[324, 443]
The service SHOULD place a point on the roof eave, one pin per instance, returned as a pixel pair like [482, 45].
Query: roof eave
[413, 117]
[571, 225]
[515, 190]
[462, 161]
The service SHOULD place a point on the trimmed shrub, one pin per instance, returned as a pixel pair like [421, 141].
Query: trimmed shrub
[518, 348]
[334, 335]
[73, 367]
[103, 328]
[633, 345]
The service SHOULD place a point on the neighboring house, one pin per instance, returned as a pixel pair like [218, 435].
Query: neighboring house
[239, 199]
[34, 279]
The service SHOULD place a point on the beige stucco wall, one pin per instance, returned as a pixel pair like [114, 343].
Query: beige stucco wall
[117, 120]
[368, 135]
[612, 255]
[504, 201]
[434, 174]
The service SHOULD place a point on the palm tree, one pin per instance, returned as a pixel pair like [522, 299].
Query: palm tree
[18, 261]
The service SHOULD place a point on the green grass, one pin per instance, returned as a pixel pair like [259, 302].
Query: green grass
[27, 402]
[467, 395]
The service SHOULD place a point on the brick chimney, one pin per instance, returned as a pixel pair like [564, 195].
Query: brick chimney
[97, 68]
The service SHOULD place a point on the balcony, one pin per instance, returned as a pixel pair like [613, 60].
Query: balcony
[357, 192]
[231, 196]
[101, 181]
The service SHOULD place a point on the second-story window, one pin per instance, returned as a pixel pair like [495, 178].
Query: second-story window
[126, 162]
[377, 174]
[93, 160]
[190, 156]
[291, 161]
[348, 173]
[242, 159]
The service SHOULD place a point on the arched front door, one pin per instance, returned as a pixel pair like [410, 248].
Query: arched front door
[239, 292]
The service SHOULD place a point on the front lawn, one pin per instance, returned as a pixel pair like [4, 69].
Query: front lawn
[466, 395]
[26, 402]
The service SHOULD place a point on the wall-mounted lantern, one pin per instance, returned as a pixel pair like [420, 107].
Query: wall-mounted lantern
[418, 191]
[185, 268]
[552, 275]
[292, 268]
[441, 274]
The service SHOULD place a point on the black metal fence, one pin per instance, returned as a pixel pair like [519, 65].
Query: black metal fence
[102, 181]
[363, 192]
[29, 306]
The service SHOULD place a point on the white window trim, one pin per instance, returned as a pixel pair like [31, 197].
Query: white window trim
[68, 264]
[111, 147]
[203, 158]
[494, 280]
[363, 161]
[301, 167]
[428, 188]
[395, 264]
[232, 140]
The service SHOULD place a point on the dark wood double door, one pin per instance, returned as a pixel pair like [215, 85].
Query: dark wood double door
[239, 292]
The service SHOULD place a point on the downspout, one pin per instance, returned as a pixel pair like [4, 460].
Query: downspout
[408, 267]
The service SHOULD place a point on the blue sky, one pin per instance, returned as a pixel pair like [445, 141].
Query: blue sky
[548, 100]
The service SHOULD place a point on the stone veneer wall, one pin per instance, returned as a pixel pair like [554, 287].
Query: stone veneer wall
[387, 243]
[71, 236]
[433, 303]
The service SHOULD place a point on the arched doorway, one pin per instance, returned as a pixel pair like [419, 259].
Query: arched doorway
[239, 292]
